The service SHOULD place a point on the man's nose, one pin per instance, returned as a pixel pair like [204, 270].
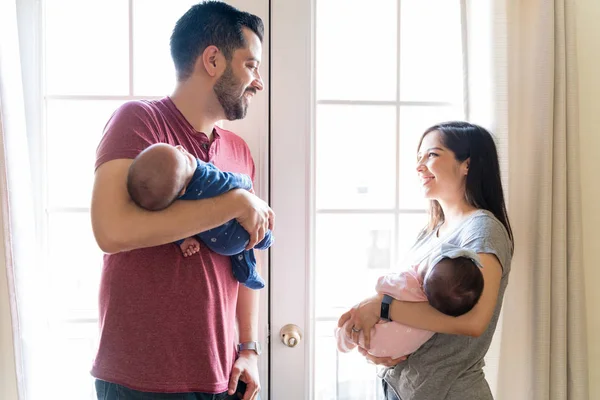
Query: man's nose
[258, 83]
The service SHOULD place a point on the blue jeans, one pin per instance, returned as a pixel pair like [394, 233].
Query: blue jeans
[112, 391]
[388, 392]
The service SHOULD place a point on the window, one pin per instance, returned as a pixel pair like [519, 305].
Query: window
[96, 55]
[385, 72]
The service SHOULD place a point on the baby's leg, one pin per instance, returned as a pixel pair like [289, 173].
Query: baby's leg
[344, 343]
[190, 246]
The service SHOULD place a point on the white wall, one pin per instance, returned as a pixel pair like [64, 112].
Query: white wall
[588, 31]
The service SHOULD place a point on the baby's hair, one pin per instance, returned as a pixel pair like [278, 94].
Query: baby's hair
[454, 285]
[151, 180]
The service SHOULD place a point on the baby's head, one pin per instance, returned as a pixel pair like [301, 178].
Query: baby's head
[158, 175]
[454, 282]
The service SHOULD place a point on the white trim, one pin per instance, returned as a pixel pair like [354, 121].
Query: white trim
[100, 97]
[386, 103]
[465, 60]
[385, 211]
[131, 55]
[71, 210]
[292, 127]
[396, 224]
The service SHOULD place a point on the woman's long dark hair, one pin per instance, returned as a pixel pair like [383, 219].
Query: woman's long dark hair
[483, 188]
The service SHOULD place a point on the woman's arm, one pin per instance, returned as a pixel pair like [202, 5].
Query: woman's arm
[474, 323]
[422, 316]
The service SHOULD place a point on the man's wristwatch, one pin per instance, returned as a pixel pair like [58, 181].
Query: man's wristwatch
[250, 346]
[385, 307]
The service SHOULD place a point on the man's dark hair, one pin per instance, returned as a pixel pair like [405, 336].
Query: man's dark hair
[454, 285]
[210, 23]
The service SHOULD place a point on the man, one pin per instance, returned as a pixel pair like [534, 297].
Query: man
[167, 322]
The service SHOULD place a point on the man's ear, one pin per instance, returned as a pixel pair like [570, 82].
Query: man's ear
[210, 60]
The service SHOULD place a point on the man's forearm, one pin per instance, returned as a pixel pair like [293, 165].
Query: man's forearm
[120, 225]
[247, 314]
[137, 228]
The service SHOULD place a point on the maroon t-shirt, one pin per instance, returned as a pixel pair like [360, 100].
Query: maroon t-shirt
[167, 321]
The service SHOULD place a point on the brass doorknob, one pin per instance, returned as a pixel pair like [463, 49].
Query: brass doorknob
[290, 335]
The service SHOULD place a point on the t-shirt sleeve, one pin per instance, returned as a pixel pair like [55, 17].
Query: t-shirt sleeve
[485, 234]
[252, 169]
[129, 130]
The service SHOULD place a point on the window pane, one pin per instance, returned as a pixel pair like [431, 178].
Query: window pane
[326, 361]
[72, 351]
[76, 125]
[75, 262]
[409, 227]
[414, 120]
[356, 156]
[87, 47]
[357, 379]
[153, 22]
[431, 51]
[352, 251]
[356, 50]
[341, 376]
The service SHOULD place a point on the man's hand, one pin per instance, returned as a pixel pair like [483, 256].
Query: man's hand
[246, 370]
[255, 216]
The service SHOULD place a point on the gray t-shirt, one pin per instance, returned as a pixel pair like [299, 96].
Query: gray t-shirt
[449, 367]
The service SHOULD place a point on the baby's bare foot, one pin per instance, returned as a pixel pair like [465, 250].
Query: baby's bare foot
[190, 246]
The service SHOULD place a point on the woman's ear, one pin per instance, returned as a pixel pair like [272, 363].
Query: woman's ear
[465, 166]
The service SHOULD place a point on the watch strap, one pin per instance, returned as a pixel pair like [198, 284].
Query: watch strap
[249, 346]
[385, 307]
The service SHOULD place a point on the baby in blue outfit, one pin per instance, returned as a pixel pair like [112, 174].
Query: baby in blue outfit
[162, 173]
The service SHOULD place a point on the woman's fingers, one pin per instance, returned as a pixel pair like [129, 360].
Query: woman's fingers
[345, 317]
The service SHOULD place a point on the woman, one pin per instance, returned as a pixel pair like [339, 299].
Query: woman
[458, 166]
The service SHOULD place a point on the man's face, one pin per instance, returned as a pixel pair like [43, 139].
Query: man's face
[240, 80]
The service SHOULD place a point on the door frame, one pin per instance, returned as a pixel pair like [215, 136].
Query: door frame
[292, 192]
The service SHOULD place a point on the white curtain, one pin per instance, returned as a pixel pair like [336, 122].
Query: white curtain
[526, 49]
[18, 266]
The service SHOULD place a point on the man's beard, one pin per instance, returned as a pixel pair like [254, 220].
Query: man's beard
[226, 90]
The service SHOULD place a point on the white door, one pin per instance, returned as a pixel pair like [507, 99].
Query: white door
[353, 85]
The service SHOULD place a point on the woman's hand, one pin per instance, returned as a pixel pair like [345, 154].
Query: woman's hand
[362, 317]
[385, 361]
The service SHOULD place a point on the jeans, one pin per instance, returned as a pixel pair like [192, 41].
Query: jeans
[388, 392]
[112, 391]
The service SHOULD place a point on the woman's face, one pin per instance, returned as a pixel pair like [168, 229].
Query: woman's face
[442, 177]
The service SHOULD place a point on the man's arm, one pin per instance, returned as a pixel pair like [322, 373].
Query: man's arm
[247, 314]
[246, 366]
[120, 225]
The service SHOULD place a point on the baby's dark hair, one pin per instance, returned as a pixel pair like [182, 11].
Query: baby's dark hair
[454, 285]
[151, 180]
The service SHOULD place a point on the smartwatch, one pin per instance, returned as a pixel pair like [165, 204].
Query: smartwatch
[385, 307]
[250, 346]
